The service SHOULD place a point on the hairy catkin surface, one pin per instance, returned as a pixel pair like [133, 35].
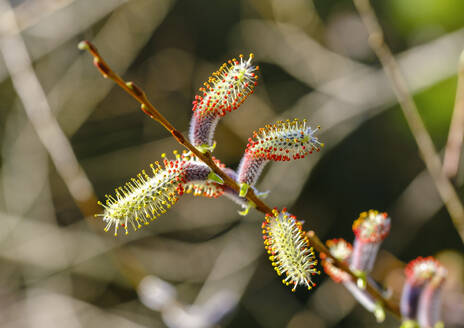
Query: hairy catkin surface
[289, 250]
[147, 197]
[282, 141]
[224, 91]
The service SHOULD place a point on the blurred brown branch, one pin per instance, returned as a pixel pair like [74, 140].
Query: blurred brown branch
[456, 132]
[37, 108]
[39, 113]
[411, 113]
[56, 22]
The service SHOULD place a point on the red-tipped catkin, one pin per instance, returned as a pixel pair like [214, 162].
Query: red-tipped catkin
[146, 197]
[370, 229]
[227, 88]
[288, 249]
[224, 91]
[282, 141]
[421, 291]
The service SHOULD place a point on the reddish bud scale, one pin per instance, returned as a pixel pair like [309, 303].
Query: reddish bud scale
[289, 250]
[224, 91]
[104, 70]
[370, 229]
[282, 141]
[146, 197]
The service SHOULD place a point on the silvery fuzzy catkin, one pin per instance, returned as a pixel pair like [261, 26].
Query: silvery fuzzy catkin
[370, 229]
[282, 141]
[225, 91]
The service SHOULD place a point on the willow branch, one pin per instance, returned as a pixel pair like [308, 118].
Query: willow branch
[456, 132]
[146, 106]
[416, 125]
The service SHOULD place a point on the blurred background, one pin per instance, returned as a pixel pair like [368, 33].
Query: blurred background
[67, 134]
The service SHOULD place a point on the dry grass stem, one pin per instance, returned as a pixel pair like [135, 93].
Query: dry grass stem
[411, 113]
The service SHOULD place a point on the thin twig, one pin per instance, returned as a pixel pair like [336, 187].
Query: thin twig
[416, 125]
[39, 113]
[152, 112]
[456, 132]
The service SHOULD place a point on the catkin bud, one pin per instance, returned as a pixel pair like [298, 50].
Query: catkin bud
[341, 250]
[370, 229]
[420, 298]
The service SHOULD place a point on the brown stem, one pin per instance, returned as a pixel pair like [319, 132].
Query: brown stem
[416, 125]
[320, 247]
[152, 112]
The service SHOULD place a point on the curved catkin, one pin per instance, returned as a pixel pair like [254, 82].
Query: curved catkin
[288, 247]
[202, 127]
[146, 197]
[282, 141]
[224, 91]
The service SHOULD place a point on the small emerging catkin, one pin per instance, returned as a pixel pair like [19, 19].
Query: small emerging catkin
[370, 229]
[421, 295]
[341, 250]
